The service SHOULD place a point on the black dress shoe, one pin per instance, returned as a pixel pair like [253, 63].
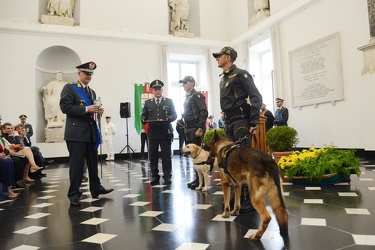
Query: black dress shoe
[195, 183]
[74, 202]
[167, 181]
[101, 191]
[155, 181]
[48, 162]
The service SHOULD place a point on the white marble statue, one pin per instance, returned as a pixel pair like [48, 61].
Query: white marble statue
[62, 8]
[261, 5]
[179, 14]
[51, 100]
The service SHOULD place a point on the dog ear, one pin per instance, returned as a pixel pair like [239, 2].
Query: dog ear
[216, 137]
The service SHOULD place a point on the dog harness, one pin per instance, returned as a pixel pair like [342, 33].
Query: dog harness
[223, 163]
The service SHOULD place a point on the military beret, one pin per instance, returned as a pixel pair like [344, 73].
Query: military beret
[22, 117]
[88, 68]
[227, 51]
[279, 100]
[156, 84]
[187, 79]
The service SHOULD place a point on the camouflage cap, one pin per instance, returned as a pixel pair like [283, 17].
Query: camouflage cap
[227, 51]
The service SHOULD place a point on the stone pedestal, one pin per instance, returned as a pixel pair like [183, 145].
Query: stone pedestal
[369, 57]
[182, 33]
[259, 16]
[54, 134]
[58, 20]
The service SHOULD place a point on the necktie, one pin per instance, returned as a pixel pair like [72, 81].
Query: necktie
[87, 92]
[157, 102]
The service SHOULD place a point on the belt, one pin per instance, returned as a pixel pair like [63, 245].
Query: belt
[191, 124]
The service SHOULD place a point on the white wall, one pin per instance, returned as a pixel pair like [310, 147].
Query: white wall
[125, 58]
[341, 125]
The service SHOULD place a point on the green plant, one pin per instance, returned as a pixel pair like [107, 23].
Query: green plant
[282, 138]
[326, 161]
[209, 134]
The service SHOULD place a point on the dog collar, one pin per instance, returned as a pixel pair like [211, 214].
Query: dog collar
[198, 153]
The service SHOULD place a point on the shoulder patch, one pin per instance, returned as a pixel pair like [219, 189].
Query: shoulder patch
[245, 75]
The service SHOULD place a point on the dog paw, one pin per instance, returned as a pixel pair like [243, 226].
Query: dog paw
[198, 188]
[225, 215]
[234, 213]
[254, 237]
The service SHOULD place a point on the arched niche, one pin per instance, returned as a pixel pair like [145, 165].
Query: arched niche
[50, 61]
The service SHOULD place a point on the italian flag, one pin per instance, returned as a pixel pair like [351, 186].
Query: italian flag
[142, 92]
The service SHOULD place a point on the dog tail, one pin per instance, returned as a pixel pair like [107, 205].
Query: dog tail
[276, 199]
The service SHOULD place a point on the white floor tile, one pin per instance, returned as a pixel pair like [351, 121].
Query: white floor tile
[313, 201]
[371, 188]
[99, 238]
[118, 185]
[91, 209]
[357, 211]
[313, 188]
[192, 246]
[49, 191]
[151, 213]
[45, 204]
[46, 197]
[25, 247]
[368, 240]
[30, 230]
[219, 193]
[166, 227]
[348, 194]
[37, 215]
[131, 195]
[219, 218]
[201, 206]
[366, 179]
[159, 186]
[89, 200]
[124, 189]
[266, 236]
[313, 222]
[139, 203]
[94, 221]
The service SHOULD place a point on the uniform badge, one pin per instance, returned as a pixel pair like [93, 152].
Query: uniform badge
[245, 75]
[199, 96]
[226, 84]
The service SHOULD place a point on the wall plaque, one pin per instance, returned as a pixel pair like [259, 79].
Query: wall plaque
[315, 72]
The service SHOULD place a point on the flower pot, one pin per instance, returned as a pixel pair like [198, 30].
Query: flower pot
[276, 157]
[328, 179]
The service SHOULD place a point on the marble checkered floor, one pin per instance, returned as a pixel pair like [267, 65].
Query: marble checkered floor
[138, 216]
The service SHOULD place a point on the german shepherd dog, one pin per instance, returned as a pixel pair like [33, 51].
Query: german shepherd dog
[259, 171]
[199, 157]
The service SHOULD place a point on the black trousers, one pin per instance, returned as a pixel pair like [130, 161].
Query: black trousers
[181, 141]
[79, 152]
[166, 157]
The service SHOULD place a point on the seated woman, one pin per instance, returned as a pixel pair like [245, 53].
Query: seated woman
[7, 175]
[15, 146]
[10, 150]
